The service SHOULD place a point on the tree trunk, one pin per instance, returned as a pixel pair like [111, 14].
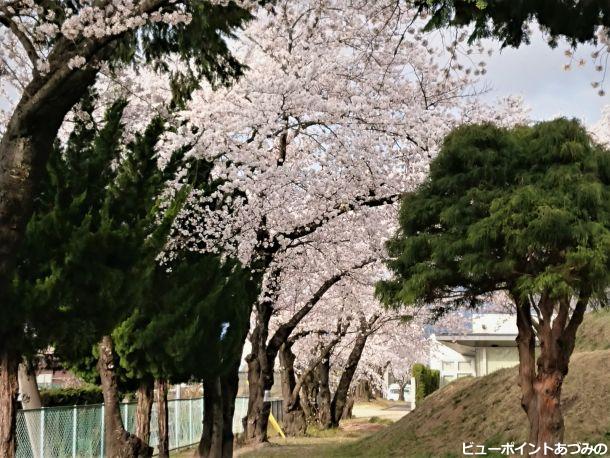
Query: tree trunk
[25, 148]
[219, 407]
[162, 418]
[323, 401]
[294, 422]
[309, 394]
[260, 376]
[262, 358]
[28, 387]
[363, 391]
[30, 399]
[8, 403]
[145, 396]
[347, 410]
[229, 387]
[340, 398]
[541, 381]
[210, 445]
[118, 442]
[401, 392]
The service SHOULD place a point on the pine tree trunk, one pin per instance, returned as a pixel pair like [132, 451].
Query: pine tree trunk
[210, 445]
[323, 397]
[546, 419]
[30, 399]
[219, 407]
[8, 403]
[229, 387]
[145, 396]
[162, 418]
[541, 381]
[340, 398]
[294, 423]
[118, 442]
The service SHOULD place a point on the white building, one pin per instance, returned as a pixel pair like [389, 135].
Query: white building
[488, 347]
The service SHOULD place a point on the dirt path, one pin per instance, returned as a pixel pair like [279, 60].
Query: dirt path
[368, 418]
[386, 409]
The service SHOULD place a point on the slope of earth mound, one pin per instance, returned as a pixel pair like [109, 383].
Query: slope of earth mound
[487, 410]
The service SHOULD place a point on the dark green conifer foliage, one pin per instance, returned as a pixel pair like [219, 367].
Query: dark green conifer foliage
[90, 263]
[72, 260]
[525, 211]
[527, 208]
[511, 21]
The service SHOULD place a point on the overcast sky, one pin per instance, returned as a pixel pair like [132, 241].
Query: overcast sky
[536, 72]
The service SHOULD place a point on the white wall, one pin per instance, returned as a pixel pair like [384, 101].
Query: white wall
[451, 363]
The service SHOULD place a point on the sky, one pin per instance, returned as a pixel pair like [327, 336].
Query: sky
[536, 73]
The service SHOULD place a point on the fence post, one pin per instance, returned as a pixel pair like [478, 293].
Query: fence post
[103, 437]
[42, 427]
[191, 420]
[413, 393]
[126, 414]
[177, 422]
[74, 418]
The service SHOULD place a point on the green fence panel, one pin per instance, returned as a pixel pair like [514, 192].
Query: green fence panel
[71, 432]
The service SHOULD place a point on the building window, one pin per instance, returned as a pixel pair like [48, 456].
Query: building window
[448, 366]
[465, 366]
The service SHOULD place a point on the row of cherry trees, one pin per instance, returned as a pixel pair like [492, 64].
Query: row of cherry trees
[338, 115]
[338, 111]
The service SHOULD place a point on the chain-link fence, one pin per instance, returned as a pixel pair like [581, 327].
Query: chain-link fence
[63, 432]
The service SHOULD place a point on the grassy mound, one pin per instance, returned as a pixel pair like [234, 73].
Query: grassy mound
[594, 333]
[487, 411]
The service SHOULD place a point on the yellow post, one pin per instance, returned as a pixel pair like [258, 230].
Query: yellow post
[276, 425]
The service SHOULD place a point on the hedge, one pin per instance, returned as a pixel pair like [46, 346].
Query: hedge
[426, 381]
[89, 394]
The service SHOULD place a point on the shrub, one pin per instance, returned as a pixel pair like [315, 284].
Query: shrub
[426, 381]
[88, 394]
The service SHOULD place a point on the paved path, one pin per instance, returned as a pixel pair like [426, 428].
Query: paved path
[393, 412]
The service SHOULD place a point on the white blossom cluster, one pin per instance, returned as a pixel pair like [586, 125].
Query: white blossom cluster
[341, 105]
[601, 129]
[340, 111]
[598, 59]
[30, 30]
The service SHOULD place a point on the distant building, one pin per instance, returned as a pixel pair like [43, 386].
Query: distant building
[489, 345]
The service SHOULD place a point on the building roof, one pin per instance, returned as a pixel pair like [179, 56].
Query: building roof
[479, 339]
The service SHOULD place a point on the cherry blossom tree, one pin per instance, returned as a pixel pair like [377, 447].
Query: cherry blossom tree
[601, 129]
[329, 360]
[338, 114]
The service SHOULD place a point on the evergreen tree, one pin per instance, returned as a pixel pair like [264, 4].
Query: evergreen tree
[525, 212]
[510, 21]
[62, 46]
[101, 214]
